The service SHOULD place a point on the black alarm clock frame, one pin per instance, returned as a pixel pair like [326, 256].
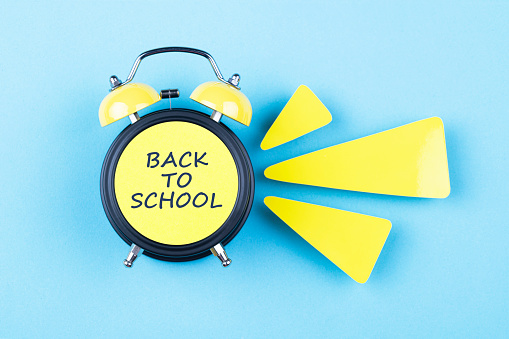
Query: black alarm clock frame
[132, 98]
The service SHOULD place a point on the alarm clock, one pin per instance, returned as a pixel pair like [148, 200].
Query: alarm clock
[176, 184]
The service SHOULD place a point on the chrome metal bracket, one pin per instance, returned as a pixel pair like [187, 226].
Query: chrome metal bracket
[216, 116]
[134, 117]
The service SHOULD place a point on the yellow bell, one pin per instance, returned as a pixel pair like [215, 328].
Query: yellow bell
[224, 99]
[126, 100]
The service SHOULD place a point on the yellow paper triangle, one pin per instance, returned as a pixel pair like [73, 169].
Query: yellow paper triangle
[350, 240]
[303, 113]
[410, 160]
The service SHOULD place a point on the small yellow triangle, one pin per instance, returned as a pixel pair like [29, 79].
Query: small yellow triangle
[350, 240]
[410, 160]
[303, 113]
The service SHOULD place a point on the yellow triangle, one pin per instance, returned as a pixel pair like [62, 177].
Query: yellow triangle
[350, 240]
[410, 160]
[303, 113]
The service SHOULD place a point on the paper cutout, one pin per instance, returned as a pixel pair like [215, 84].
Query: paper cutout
[410, 160]
[350, 240]
[303, 113]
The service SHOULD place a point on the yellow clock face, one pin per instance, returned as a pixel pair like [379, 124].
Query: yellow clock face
[176, 183]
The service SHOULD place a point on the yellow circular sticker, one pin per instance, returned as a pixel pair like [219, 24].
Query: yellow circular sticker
[176, 183]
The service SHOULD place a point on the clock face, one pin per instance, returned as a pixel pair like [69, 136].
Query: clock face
[176, 183]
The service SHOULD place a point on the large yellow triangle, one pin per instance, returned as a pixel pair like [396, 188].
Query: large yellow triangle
[410, 160]
[350, 240]
[303, 113]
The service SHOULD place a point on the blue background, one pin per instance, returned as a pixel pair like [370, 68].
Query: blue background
[444, 268]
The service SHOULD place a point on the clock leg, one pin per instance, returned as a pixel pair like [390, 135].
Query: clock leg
[133, 254]
[219, 252]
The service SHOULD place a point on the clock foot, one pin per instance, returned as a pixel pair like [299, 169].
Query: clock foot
[219, 252]
[133, 254]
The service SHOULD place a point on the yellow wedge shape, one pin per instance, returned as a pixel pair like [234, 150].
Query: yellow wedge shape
[350, 240]
[410, 160]
[303, 113]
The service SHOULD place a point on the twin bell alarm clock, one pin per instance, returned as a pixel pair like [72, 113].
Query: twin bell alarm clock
[176, 184]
